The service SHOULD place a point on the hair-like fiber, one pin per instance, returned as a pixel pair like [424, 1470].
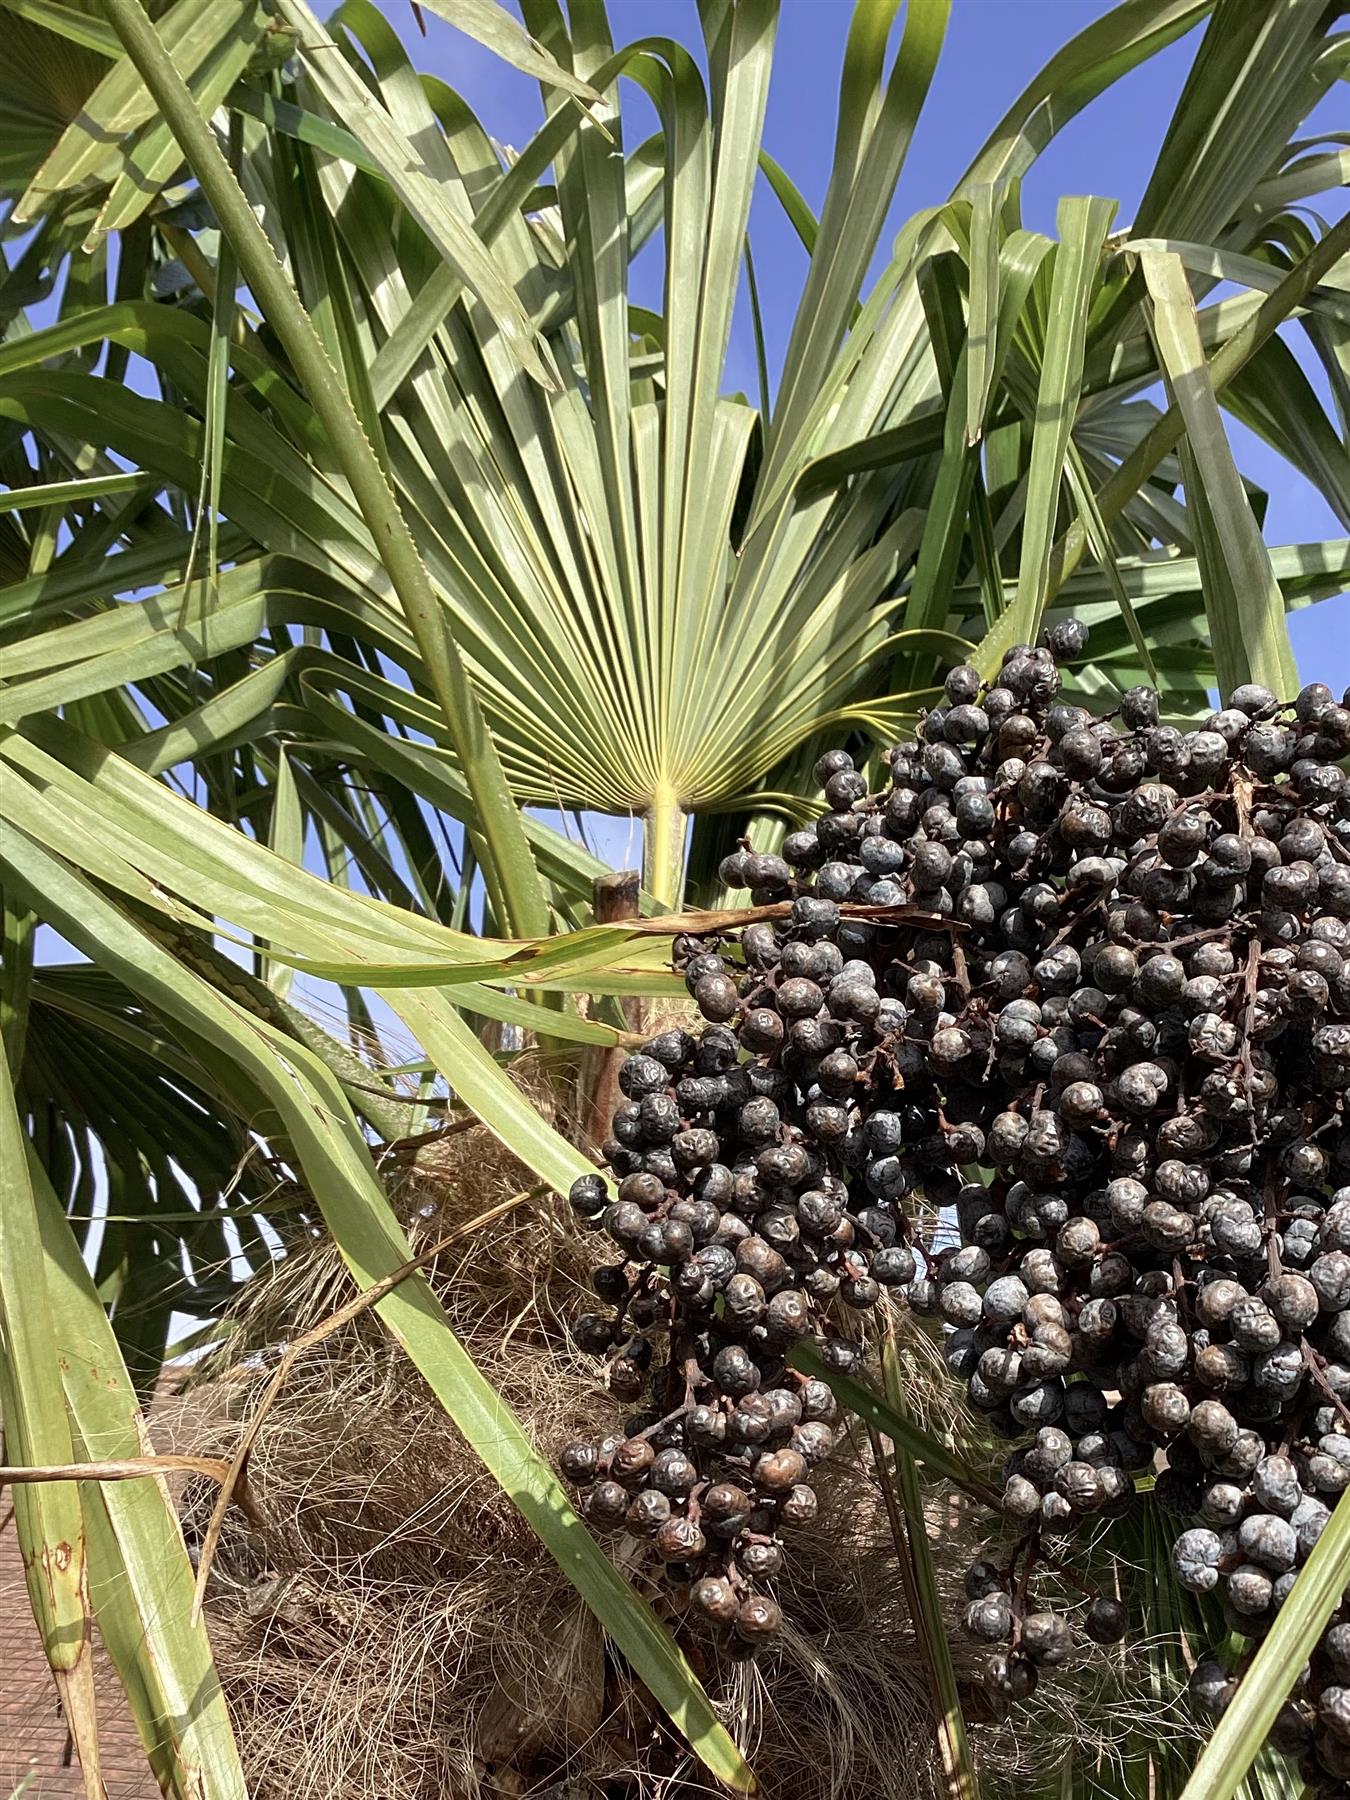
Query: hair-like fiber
[392, 1627]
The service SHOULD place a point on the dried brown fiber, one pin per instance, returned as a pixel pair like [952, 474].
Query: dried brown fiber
[392, 1630]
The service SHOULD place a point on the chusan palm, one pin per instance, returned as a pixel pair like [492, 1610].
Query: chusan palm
[657, 594]
[663, 590]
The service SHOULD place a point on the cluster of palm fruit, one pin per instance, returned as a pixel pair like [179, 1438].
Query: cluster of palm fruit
[1160, 1007]
[727, 1257]
[1107, 963]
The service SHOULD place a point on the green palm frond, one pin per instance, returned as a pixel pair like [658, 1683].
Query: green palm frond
[47, 80]
[602, 547]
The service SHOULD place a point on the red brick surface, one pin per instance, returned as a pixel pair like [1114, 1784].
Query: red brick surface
[32, 1733]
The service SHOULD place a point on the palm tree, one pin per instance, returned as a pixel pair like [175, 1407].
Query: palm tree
[354, 508]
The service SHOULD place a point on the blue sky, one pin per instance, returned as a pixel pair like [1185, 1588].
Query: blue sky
[993, 49]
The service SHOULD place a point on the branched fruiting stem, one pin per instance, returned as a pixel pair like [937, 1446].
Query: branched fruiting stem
[1249, 981]
[636, 1289]
[959, 967]
[1193, 937]
[1243, 789]
[1078, 919]
[658, 1424]
[1017, 1549]
[1271, 1211]
[1030, 1545]
[1315, 1364]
